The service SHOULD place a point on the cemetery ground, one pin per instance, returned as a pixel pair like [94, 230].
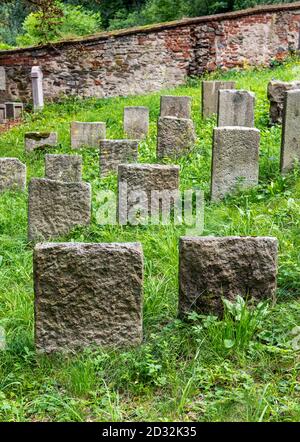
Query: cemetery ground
[244, 367]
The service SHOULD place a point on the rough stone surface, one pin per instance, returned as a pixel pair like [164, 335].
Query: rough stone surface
[175, 136]
[63, 167]
[235, 160]
[2, 79]
[37, 88]
[12, 174]
[14, 110]
[136, 122]
[290, 147]
[115, 152]
[276, 95]
[210, 95]
[136, 182]
[40, 140]
[56, 207]
[213, 268]
[236, 108]
[87, 134]
[2, 113]
[87, 295]
[173, 106]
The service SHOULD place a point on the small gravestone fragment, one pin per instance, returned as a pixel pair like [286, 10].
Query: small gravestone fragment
[63, 167]
[276, 95]
[173, 106]
[37, 88]
[55, 207]
[290, 147]
[87, 134]
[136, 122]
[175, 137]
[40, 140]
[212, 268]
[2, 79]
[210, 96]
[236, 108]
[12, 174]
[115, 152]
[14, 110]
[2, 113]
[87, 295]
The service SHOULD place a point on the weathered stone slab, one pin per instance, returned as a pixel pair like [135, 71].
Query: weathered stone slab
[87, 134]
[2, 113]
[236, 108]
[235, 160]
[115, 152]
[290, 147]
[56, 207]
[136, 122]
[14, 110]
[210, 96]
[175, 137]
[87, 294]
[63, 167]
[214, 268]
[141, 186]
[174, 106]
[276, 96]
[12, 174]
[40, 140]
[37, 88]
[2, 79]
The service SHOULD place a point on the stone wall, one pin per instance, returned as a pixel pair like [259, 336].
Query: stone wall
[141, 60]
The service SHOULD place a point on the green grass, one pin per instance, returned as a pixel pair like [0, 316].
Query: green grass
[240, 368]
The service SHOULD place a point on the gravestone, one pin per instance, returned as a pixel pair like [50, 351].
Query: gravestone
[2, 79]
[115, 152]
[276, 95]
[12, 174]
[87, 134]
[234, 160]
[210, 96]
[55, 207]
[212, 268]
[141, 187]
[87, 295]
[14, 110]
[63, 167]
[136, 122]
[2, 113]
[290, 147]
[40, 140]
[173, 106]
[236, 108]
[175, 137]
[37, 88]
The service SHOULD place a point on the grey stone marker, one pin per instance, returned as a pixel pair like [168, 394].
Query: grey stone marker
[276, 96]
[37, 88]
[87, 295]
[63, 167]
[14, 110]
[12, 174]
[212, 268]
[175, 136]
[174, 106]
[144, 186]
[55, 207]
[136, 122]
[40, 140]
[2, 113]
[210, 96]
[236, 108]
[115, 152]
[2, 79]
[234, 160]
[87, 134]
[290, 147]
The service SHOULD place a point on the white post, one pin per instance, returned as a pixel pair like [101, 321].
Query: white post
[37, 88]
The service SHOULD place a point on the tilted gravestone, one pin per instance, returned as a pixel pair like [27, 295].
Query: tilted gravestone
[175, 136]
[55, 207]
[210, 96]
[174, 106]
[235, 159]
[236, 108]
[115, 152]
[136, 122]
[141, 190]
[212, 268]
[37, 88]
[87, 134]
[2, 113]
[40, 140]
[87, 295]
[12, 174]
[14, 110]
[290, 147]
[2, 79]
[63, 167]
[276, 95]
